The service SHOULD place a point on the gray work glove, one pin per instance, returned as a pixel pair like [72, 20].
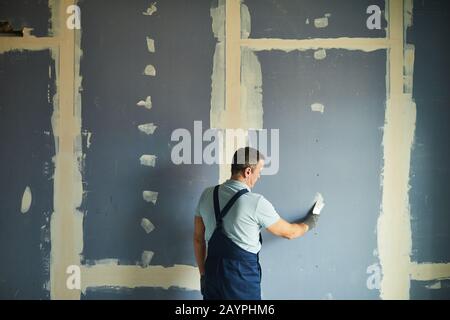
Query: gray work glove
[311, 219]
[314, 213]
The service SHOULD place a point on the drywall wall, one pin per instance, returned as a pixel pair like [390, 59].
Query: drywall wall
[26, 186]
[338, 153]
[430, 220]
[179, 90]
[111, 94]
[115, 178]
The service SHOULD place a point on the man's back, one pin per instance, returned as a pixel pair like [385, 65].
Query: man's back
[245, 219]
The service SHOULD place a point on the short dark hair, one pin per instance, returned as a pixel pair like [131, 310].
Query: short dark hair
[252, 156]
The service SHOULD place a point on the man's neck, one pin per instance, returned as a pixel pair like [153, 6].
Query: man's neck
[240, 179]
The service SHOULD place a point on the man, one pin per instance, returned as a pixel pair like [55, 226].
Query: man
[229, 218]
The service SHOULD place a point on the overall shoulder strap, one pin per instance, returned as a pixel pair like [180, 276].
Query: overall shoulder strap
[220, 214]
[230, 203]
[216, 203]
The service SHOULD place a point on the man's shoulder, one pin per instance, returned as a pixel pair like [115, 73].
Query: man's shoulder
[257, 196]
[207, 192]
[261, 200]
[258, 199]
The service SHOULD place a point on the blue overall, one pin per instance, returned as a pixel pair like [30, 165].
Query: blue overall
[231, 273]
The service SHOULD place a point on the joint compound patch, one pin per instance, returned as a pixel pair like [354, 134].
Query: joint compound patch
[150, 70]
[148, 160]
[435, 286]
[147, 225]
[26, 200]
[245, 22]
[322, 22]
[320, 54]
[150, 10]
[147, 128]
[147, 103]
[317, 107]
[150, 44]
[150, 196]
[146, 258]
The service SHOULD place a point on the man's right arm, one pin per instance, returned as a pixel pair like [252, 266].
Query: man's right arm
[287, 230]
[290, 231]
